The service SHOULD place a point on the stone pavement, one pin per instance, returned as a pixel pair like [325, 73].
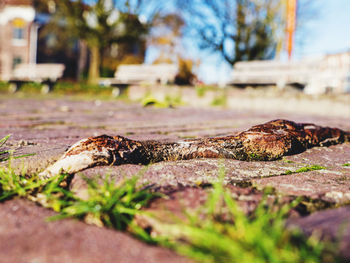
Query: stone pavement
[26, 236]
[47, 127]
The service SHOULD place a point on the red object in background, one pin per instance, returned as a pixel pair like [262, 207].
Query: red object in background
[291, 22]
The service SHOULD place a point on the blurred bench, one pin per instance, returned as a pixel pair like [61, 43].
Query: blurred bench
[45, 74]
[126, 75]
[329, 73]
[270, 72]
[149, 74]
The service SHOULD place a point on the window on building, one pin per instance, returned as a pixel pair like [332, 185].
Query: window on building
[16, 61]
[18, 33]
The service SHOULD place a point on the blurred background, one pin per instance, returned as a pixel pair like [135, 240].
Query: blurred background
[291, 43]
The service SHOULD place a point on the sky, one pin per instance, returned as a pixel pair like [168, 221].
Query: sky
[328, 32]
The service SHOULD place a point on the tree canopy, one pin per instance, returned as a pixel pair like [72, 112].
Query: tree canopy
[101, 23]
[237, 29]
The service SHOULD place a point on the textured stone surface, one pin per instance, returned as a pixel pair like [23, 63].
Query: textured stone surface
[333, 225]
[47, 127]
[26, 236]
[331, 183]
[192, 172]
[269, 141]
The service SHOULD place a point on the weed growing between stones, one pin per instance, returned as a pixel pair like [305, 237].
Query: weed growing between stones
[286, 160]
[109, 204]
[218, 232]
[346, 164]
[305, 169]
[236, 237]
[12, 184]
[49, 192]
[168, 102]
[6, 154]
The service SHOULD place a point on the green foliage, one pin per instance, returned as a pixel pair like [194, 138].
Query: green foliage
[255, 156]
[4, 153]
[235, 237]
[4, 86]
[106, 72]
[100, 24]
[76, 88]
[346, 164]
[86, 90]
[12, 184]
[47, 192]
[218, 232]
[286, 160]
[108, 204]
[306, 169]
[8, 154]
[65, 87]
[168, 102]
[220, 100]
[30, 87]
[201, 91]
[69, 88]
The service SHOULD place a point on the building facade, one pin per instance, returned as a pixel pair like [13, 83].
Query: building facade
[26, 36]
[18, 35]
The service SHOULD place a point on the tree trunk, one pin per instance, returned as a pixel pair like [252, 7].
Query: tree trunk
[94, 71]
[82, 61]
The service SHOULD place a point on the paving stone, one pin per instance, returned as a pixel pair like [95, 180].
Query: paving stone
[332, 183]
[191, 172]
[27, 236]
[332, 225]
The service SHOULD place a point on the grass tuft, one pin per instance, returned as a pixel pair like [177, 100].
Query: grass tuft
[108, 204]
[12, 184]
[201, 91]
[6, 155]
[169, 101]
[220, 100]
[346, 164]
[218, 232]
[236, 237]
[47, 192]
[305, 169]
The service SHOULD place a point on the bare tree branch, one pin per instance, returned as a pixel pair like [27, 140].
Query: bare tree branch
[237, 29]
